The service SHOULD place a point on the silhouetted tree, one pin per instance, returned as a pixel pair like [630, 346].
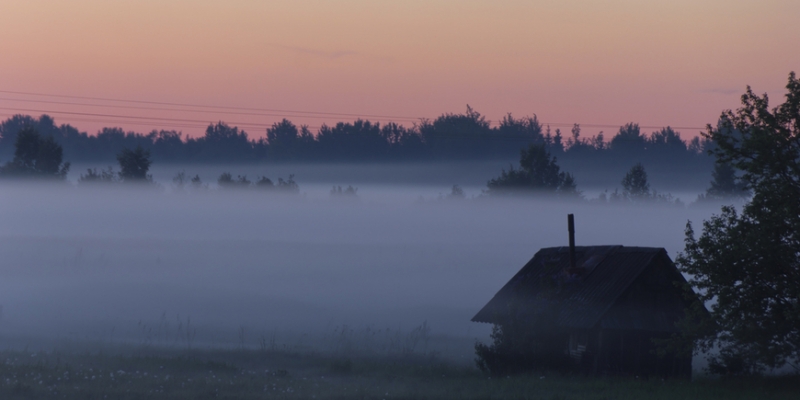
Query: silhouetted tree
[180, 180]
[667, 140]
[36, 157]
[599, 142]
[289, 185]
[569, 187]
[456, 193]
[514, 134]
[635, 185]
[350, 191]
[629, 139]
[457, 135]
[538, 172]
[404, 143]
[224, 143]
[583, 148]
[558, 143]
[264, 183]
[725, 185]
[286, 142]
[167, 145]
[134, 165]
[746, 265]
[360, 140]
[198, 184]
[226, 181]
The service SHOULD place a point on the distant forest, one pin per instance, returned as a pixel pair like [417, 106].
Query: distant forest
[450, 137]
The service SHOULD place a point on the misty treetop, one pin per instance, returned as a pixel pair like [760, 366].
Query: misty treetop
[539, 175]
[726, 184]
[134, 165]
[465, 136]
[538, 172]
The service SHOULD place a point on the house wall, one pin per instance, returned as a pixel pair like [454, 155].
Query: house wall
[634, 353]
[625, 339]
[653, 302]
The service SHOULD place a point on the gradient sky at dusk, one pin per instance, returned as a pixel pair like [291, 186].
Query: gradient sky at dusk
[676, 62]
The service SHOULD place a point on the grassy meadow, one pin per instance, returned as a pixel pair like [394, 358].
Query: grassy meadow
[251, 374]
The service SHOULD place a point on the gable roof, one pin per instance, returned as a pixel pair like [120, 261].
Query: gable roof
[545, 284]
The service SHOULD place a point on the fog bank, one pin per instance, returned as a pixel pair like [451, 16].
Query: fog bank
[90, 264]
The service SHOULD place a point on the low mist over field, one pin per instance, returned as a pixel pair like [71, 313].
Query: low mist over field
[232, 268]
[403, 181]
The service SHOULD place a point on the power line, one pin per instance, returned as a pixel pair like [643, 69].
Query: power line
[618, 126]
[163, 109]
[130, 117]
[260, 125]
[158, 124]
[269, 112]
[206, 106]
[138, 122]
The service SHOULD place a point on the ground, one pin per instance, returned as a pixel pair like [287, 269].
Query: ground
[248, 374]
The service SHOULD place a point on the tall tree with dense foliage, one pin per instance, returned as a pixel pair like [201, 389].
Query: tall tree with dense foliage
[635, 185]
[629, 139]
[35, 156]
[134, 165]
[746, 264]
[725, 184]
[457, 135]
[538, 172]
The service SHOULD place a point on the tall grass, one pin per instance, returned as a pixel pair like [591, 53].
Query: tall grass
[137, 372]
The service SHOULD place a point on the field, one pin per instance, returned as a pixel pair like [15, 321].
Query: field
[147, 373]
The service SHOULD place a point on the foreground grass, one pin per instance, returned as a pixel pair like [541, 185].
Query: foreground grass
[234, 374]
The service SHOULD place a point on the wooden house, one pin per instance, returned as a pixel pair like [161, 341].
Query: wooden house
[602, 306]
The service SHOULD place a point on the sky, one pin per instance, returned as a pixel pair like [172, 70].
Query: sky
[658, 63]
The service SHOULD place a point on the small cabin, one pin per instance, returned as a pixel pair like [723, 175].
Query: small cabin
[602, 307]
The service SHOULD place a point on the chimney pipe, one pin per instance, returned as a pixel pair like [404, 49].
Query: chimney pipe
[571, 226]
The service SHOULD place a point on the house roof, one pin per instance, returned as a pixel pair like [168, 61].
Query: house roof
[578, 298]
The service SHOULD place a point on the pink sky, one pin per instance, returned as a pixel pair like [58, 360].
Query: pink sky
[658, 63]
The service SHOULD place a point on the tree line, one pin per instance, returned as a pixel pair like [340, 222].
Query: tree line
[39, 157]
[465, 136]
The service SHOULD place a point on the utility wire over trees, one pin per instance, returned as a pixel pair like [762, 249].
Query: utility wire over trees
[451, 136]
[746, 264]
